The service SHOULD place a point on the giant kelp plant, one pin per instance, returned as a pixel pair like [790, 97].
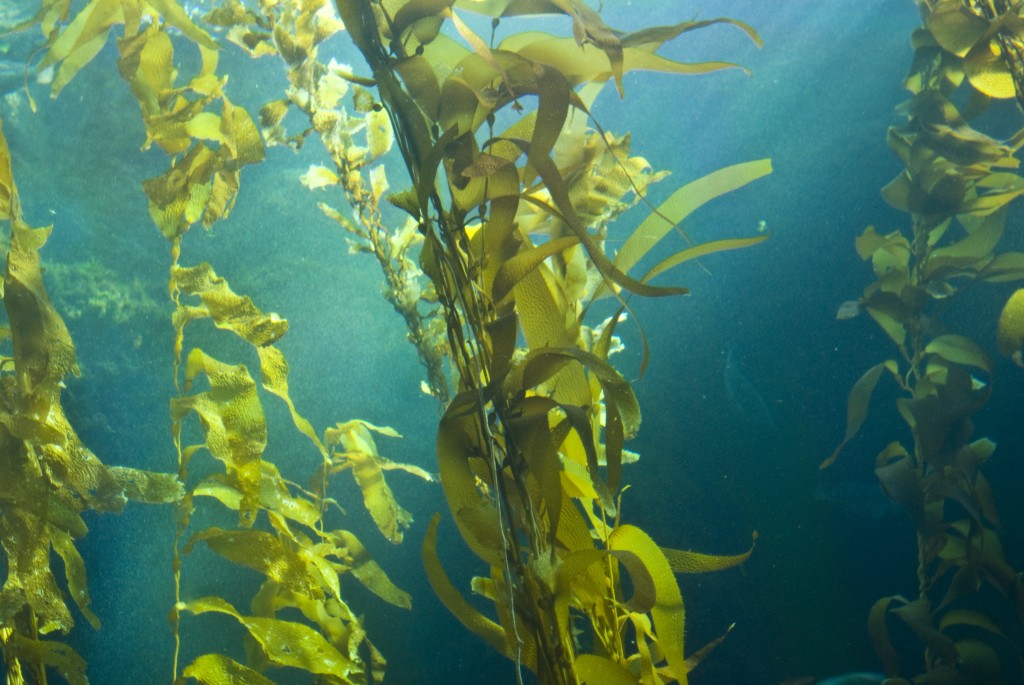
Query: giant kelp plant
[513, 187]
[49, 476]
[530, 449]
[956, 187]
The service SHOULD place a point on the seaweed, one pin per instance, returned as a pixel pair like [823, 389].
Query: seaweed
[530, 449]
[956, 187]
[494, 273]
[209, 140]
[50, 477]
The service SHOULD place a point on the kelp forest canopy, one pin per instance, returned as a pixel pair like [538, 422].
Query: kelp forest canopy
[514, 186]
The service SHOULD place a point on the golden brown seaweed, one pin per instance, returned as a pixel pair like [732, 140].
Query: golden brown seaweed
[956, 187]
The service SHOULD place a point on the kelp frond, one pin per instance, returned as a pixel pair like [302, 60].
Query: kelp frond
[513, 223]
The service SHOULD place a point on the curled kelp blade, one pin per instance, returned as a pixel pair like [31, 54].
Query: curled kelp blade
[858, 402]
[491, 632]
[353, 447]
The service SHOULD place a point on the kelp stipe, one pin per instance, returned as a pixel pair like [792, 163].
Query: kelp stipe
[48, 477]
[530, 449]
[956, 187]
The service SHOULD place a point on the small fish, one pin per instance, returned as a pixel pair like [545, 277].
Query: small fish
[848, 310]
[746, 404]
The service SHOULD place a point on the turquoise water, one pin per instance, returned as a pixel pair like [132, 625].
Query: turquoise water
[821, 93]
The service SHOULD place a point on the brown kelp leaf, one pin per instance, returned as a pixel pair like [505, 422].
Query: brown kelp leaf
[988, 71]
[229, 311]
[367, 571]
[232, 419]
[538, 442]
[857, 405]
[241, 138]
[586, 64]
[967, 617]
[25, 537]
[888, 311]
[414, 14]
[274, 378]
[74, 571]
[274, 495]
[622, 412]
[597, 670]
[359, 452]
[285, 643]
[1006, 266]
[699, 655]
[81, 40]
[955, 27]
[667, 606]
[694, 562]
[901, 481]
[959, 350]
[43, 351]
[878, 631]
[217, 669]
[587, 25]
[518, 267]
[172, 13]
[62, 658]
[457, 444]
[973, 250]
[551, 115]
[701, 250]
[917, 615]
[684, 202]
[654, 37]
[147, 486]
[9, 207]
[887, 252]
[942, 419]
[276, 558]
[466, 613]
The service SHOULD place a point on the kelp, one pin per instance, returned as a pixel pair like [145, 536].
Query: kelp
[513, 225]
[956, 187]
[355, 141]
[282, 529]
[531, 443]
[48, 476]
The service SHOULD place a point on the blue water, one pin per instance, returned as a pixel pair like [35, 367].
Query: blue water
[818, 101]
